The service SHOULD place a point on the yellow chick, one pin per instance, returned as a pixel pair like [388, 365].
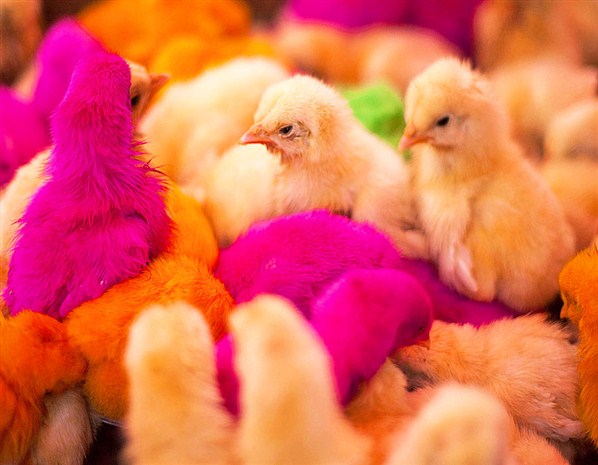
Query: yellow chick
[330, 161]
[238, 191]
[571, 166]
[527, 362]
[175, 413]
[280, 359]
[195, 121]
[494, 227]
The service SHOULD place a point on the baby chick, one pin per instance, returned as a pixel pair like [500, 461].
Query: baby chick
[175, 416]
[303, 422]
[527, 362]
[195, 121]
[330, 161]
[494, 227]
[101, 203]
[571, 165]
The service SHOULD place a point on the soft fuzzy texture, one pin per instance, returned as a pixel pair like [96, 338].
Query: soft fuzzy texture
[99, 327]
[27, 131]
[282, 361]
[579, 289]
[101, 204]
[36, 359]
[361, 319]
[528, 362]
[364, 317]
[175, 414]
[298, 256]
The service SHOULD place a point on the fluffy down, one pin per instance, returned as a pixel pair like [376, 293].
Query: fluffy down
[493, 226]
[330, 161]
[579, 290]
[194, 122]
[99, 327]
[527, 362]
[103, 205]
[175, 414]
[303, 422]
[36, 359]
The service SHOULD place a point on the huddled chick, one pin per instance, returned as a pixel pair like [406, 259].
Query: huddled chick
[328, 160]
[494, 227]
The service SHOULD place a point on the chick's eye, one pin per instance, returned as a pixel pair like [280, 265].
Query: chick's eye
[443, 121]
[285, 130]
[135, 100]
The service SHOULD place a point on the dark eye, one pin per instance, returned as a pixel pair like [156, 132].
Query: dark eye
[285, 130]
[443, 121]
[135, 100]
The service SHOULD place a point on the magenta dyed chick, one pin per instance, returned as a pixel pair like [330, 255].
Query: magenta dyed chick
[299, 255]
[364, 317]
[25, 124]
[100, 217]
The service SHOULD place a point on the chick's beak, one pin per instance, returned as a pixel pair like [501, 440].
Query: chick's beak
[255, 135]
[411, 137]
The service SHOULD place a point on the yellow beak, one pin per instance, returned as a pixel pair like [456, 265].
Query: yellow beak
[411, 137]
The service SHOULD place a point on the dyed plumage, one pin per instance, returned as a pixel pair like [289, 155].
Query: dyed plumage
[298, 256]
[27, 131]
[100, 217]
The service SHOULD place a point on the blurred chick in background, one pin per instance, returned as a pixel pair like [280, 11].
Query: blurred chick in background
[330, 161]
[579, 290]
[196, 121]
[534, 90]
[494, 227]
[570, 166]
[527, 362]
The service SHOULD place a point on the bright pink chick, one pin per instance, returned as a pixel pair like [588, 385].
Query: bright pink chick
[101, 217]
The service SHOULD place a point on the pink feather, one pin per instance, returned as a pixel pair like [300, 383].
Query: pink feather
[101, 217]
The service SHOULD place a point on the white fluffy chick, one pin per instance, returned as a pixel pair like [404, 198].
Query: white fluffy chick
[460, 425]
[175, 414]
[290, 412]
[494, 227]
[195, 121]
[527, 362]
[238, 191]
[571, 166]
[330, 161]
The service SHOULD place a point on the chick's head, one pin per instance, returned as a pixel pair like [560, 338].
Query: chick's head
[451, 107]
[297, 119]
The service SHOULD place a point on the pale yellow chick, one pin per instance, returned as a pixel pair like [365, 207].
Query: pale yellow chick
[534, 90]
[175, 409]
[330, 161]
[290, 413]
[494, 227]
[527, 362]
[195, 121]
[238, 190]
[571, 166]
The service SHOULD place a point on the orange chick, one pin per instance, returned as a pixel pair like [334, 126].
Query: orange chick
[494, 227]
[579, 290]
[36, 359]
[527, 362]
[99, 327]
